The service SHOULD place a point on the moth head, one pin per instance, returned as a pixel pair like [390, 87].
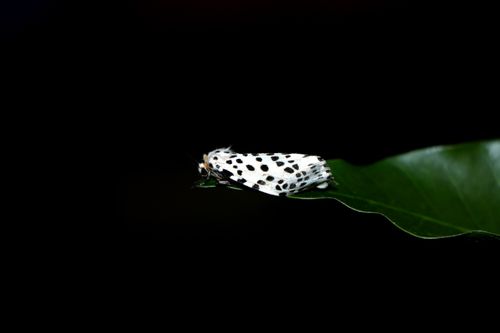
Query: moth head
[204, 168]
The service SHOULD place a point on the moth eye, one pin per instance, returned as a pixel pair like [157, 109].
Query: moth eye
[203, 171]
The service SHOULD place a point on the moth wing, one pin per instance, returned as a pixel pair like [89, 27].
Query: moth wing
[309, 171]
[275, 174]
[279, 174]
[253, 184]
[257, 172]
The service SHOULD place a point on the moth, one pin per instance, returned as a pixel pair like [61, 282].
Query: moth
[272, 173]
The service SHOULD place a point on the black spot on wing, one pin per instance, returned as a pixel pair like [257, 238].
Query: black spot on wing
[264, 167]
[239, 172]
[238, 160]
[275, 158]
[250, 167]
[295, 166]
[279, 163]
[289, 170]
[255, 186]
[227, 173]
[261, 182]
[270, 178]
[258, 159]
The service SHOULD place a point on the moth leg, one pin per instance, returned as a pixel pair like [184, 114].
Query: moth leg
[322, 185]
[223, 182]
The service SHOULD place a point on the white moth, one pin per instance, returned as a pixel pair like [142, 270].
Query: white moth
[271, 173]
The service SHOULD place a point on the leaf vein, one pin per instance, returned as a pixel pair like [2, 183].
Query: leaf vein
[415, 214]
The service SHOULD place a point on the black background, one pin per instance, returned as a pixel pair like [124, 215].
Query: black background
[148, 87]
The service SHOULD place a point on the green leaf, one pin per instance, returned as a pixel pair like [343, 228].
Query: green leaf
[211, 182]
[206, 183]
[430, 193]
[434, 192]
